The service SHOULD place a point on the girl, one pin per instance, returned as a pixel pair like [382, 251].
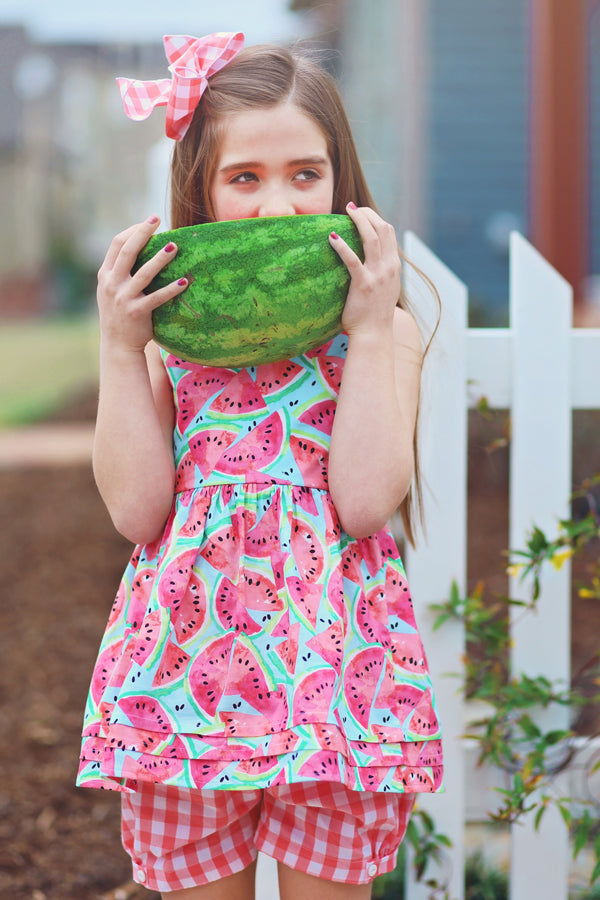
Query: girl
[261, 682]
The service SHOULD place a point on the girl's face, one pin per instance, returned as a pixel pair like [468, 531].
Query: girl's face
[272, 162]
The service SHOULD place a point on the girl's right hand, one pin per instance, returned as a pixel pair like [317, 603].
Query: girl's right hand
[125, 310]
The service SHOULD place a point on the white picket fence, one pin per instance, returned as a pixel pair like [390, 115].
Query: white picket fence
[540, 369]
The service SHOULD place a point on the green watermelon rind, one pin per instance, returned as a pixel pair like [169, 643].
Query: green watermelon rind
[260, 290]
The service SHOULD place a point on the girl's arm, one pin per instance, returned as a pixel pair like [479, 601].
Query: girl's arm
[371, 457]
[133, 457]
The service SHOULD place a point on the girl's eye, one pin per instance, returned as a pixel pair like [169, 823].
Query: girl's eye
[308, 175]
[244, 178]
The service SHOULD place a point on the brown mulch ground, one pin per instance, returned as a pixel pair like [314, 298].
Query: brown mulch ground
[61, 562]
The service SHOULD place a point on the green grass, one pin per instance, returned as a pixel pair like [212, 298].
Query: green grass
[43, 363]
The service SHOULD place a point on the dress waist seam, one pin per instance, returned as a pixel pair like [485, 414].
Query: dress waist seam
[251, 484]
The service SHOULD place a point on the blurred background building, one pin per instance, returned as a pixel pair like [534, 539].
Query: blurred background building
[464, 130]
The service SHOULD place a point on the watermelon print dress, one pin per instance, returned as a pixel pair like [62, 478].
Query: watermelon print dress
[255, 643]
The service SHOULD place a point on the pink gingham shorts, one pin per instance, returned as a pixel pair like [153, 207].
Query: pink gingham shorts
[179, 838]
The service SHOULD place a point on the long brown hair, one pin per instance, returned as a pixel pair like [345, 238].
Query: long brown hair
[260, 77]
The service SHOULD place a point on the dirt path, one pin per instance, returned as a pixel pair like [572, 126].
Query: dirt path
[51, 444]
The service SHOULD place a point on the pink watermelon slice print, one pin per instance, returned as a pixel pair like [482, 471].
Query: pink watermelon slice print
[186, 468]
[407, 652]
[203, 772]
[240, 397]
[208, 446]
[372, 616]
[259, 592]
[246, 675]
[174, 581]
[153, 626]
[330, 370]
[307, 550]
[322, 766]
[287, 650]
[361, 676]
[222, 551]
[256, 450]
[231, 610]
[272, 378]
[146, 712]
[312, 460]
[399, 600]
[320, 416]
[423, 722]
[189, 617]
[263, 538]
[195, 523]
[208, 672]
[104, 668]
[194, 390]
[303, 496]
[329, 645]
[151, 768]
[305, 598]
[313, 697]
[172, 666]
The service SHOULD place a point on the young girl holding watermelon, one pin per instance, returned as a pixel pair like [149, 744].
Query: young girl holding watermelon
[261, 683]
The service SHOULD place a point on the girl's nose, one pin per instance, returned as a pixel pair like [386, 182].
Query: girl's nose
[276, 203]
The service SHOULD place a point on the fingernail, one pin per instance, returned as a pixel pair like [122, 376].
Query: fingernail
[352, 205]
[170, 247]
[152, 220]
[182, 282]
[334, 236]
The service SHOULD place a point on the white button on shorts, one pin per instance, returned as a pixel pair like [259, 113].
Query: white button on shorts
[372, 870]
[141, 876]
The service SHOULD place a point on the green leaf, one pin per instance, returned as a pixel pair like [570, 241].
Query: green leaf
[529, 728]
[538, 542]
[566, 814]
[538, 816]
[581, 834]
[518, 783]
[554, 737]
[441, 620]
[445, 840]
[428, 822]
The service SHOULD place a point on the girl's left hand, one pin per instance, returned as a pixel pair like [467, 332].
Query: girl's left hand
[375, 283]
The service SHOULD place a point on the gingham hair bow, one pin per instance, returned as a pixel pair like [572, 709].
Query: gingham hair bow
[192, 62]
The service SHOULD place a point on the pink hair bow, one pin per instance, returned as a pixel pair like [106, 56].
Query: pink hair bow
[192, 62]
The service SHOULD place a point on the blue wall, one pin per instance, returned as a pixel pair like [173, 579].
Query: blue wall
[478, 143]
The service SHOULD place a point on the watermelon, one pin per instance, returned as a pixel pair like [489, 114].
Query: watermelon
[260, 290]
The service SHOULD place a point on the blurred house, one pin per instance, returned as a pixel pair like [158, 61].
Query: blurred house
[445, 101]
[72, 166]
[440, 100]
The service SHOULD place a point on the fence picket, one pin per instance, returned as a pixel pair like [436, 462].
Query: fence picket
[540, 485]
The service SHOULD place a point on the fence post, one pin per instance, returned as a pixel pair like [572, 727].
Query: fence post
[540, 485]
[440, 559]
